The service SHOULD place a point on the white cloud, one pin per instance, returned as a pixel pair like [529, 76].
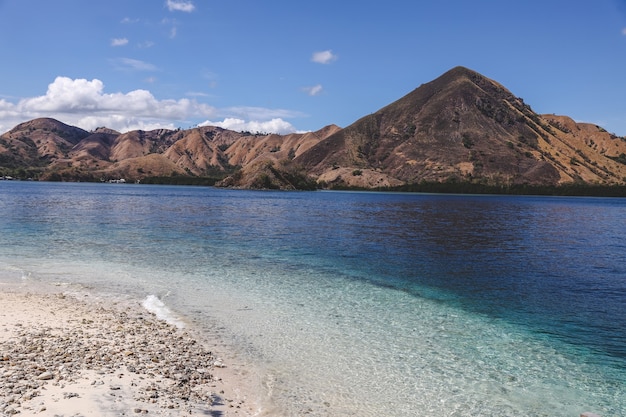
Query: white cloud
[181, 6]
[84, 103]
[324, 57]
[276, 125]
[314, 90]
[624, 31]
[255, 119]
[128, 20]
[119, 42]
[129, 64]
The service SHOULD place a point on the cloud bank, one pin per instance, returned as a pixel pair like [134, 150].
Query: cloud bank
[84, 103]
[276, 125]
[255, 120]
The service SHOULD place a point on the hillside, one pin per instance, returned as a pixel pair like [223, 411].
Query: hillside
[465, 127]
[47, 149]
[34, 143]
[460, 128]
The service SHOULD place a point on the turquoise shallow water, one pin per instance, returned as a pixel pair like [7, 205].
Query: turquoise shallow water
[361, 304]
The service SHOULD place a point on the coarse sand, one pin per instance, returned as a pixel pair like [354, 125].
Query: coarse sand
[71, 355]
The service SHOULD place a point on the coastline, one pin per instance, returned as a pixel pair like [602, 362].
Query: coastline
[72, 355]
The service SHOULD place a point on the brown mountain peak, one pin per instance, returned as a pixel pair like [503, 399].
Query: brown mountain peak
[458, 126]
[71, 134]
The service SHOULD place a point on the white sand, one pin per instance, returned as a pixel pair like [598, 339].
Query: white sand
[64, 356]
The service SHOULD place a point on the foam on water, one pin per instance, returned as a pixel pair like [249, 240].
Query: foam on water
[153, 304]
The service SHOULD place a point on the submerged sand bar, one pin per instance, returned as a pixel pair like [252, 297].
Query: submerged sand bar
[68, 355]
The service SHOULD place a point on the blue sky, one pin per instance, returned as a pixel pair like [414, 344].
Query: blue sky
[288, 66]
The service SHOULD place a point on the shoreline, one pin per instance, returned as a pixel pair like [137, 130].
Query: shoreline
[75, 355]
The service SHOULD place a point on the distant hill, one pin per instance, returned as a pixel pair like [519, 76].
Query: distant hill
[34, 143]
[461, 128]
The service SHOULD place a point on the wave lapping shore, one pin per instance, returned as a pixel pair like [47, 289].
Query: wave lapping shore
[63, 356]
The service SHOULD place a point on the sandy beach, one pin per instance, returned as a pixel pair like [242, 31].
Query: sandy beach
[74, 355]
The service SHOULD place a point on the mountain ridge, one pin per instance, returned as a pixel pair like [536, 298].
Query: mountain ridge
[461, 127]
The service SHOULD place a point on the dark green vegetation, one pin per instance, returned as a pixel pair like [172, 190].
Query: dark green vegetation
[571, 189]
[181, 180]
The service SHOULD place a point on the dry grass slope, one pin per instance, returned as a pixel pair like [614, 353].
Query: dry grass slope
[459, 128]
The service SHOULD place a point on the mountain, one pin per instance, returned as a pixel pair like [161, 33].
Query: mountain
[47, 149]
[461, 128]
[465, 127]
[38, 142]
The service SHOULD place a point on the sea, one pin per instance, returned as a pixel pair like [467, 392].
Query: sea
[356, 303]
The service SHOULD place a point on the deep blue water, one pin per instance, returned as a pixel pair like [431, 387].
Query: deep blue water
[550, 270]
